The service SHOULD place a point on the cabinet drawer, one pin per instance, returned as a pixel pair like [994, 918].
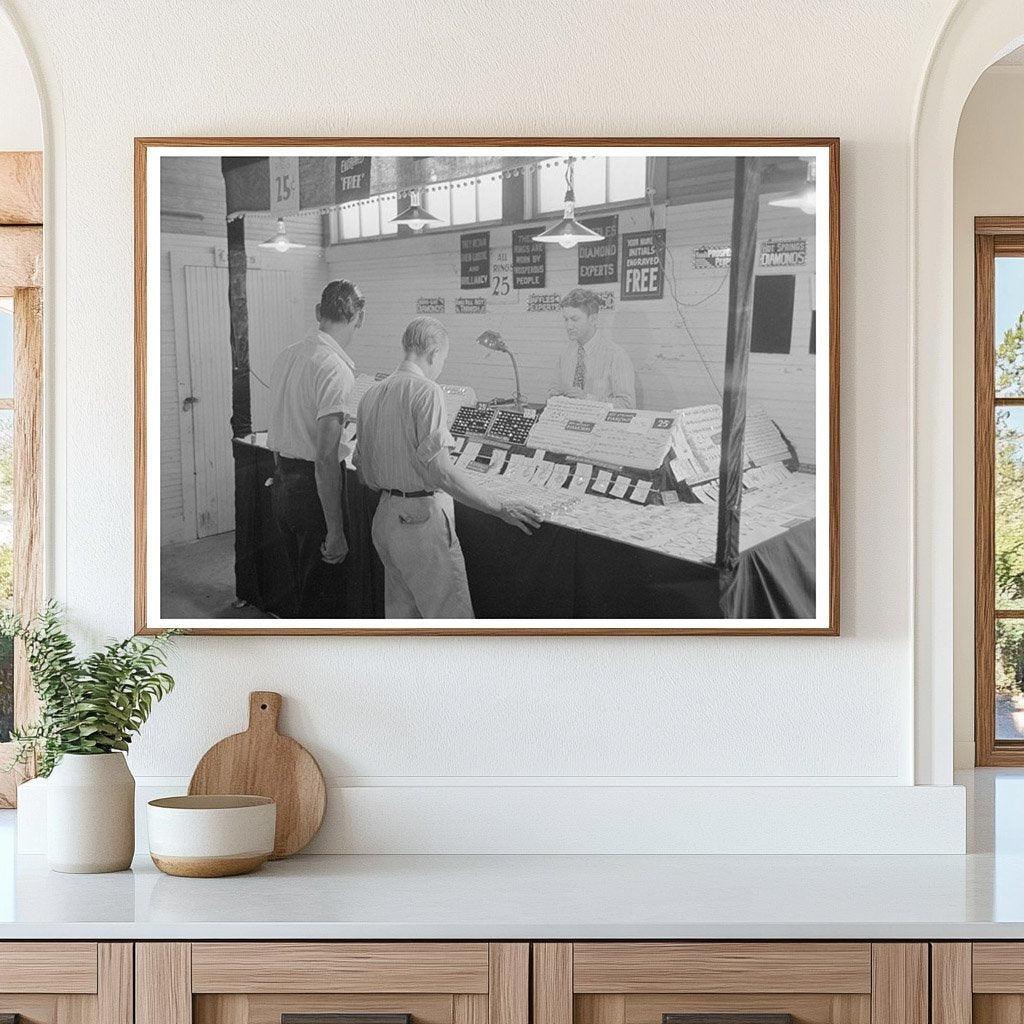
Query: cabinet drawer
[65, 967]
[332, 983]
[730, 983]
[340, 967]
[633, 967]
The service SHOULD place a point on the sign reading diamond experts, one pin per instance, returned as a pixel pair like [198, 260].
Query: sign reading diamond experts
[529, 259]
[642, 273]
[599, 261]
[475, 259]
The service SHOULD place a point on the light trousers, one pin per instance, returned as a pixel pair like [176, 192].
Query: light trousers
[424, 569]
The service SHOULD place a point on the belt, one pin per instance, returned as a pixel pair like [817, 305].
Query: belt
[408, 494]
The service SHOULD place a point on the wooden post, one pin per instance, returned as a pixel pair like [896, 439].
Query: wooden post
[28, 484]
[737, 357]
[241, 399]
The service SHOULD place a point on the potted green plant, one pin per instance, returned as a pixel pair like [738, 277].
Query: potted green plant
[90, 708]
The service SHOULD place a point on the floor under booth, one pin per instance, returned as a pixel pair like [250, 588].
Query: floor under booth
[557, 573]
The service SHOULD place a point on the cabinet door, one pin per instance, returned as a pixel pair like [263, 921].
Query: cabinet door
[332, 983]
[730, 983]
[978, 983]
[66, 982]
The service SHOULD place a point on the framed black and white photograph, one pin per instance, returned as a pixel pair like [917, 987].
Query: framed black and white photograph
[487, 386]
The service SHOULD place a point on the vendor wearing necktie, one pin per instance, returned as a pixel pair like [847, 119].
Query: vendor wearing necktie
[591, 365]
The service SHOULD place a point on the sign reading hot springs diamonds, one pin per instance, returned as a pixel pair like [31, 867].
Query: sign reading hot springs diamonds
[784, 252]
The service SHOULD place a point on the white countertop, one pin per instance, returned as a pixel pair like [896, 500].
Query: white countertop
[518, 897]
[977, 896]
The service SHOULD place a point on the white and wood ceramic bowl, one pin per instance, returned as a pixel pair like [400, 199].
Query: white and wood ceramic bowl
[211, 836]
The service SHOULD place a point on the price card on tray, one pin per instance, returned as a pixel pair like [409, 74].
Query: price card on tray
[558, 475]
[581, 476]
[640, 491]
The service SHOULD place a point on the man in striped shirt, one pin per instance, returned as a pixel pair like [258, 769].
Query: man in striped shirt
[403, 449]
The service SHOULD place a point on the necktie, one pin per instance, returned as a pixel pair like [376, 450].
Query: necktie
[579, 378]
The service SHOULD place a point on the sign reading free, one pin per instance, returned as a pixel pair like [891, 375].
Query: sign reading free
[643, 254]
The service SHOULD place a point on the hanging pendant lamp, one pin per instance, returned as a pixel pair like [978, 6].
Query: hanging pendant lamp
[804, 199]
[569, 232]
[280, 242]
[414, 216]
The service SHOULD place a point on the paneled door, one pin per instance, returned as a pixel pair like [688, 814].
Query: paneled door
[206, 411]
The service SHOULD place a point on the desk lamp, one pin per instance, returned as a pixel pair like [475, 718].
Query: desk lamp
[496, 343]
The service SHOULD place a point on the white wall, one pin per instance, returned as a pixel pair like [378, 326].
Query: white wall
[21, 127]
[987, 182]
[810, 712]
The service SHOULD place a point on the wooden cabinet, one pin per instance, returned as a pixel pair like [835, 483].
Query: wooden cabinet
[759, 982]
[978, 983]
[494, 983]
[262, 982]
[66, 982]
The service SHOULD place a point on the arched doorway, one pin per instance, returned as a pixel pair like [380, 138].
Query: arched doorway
[976, 34]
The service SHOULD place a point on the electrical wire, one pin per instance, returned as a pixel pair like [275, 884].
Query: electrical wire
[670, 275]
[253, 373]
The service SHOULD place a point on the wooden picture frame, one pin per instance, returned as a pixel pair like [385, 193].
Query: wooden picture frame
[757, 156]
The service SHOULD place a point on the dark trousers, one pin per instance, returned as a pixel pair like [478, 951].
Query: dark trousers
[317, 586]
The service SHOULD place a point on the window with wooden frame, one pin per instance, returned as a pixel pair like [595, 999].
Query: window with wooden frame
[21, 364]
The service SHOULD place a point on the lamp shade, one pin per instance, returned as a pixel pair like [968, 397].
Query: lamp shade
[568, 232]
[414, 216]
[492, 340]
[280, 241]
[805, 200]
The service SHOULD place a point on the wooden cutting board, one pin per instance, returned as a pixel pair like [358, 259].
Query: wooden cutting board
[262, 762]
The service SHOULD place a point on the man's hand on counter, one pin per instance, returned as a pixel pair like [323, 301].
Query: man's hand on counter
[335, 548]
[523, 517]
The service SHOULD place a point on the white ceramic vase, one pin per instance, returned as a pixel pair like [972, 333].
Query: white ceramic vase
[90, 814]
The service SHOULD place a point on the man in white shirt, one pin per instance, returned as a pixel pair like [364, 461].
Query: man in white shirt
[591, 365]
[311, 386]
[403, 449]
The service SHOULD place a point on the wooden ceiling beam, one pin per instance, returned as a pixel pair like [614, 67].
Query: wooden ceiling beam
[21, 188]
[21, 258]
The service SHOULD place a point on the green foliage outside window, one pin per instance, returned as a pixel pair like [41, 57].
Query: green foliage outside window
[1009, 510]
